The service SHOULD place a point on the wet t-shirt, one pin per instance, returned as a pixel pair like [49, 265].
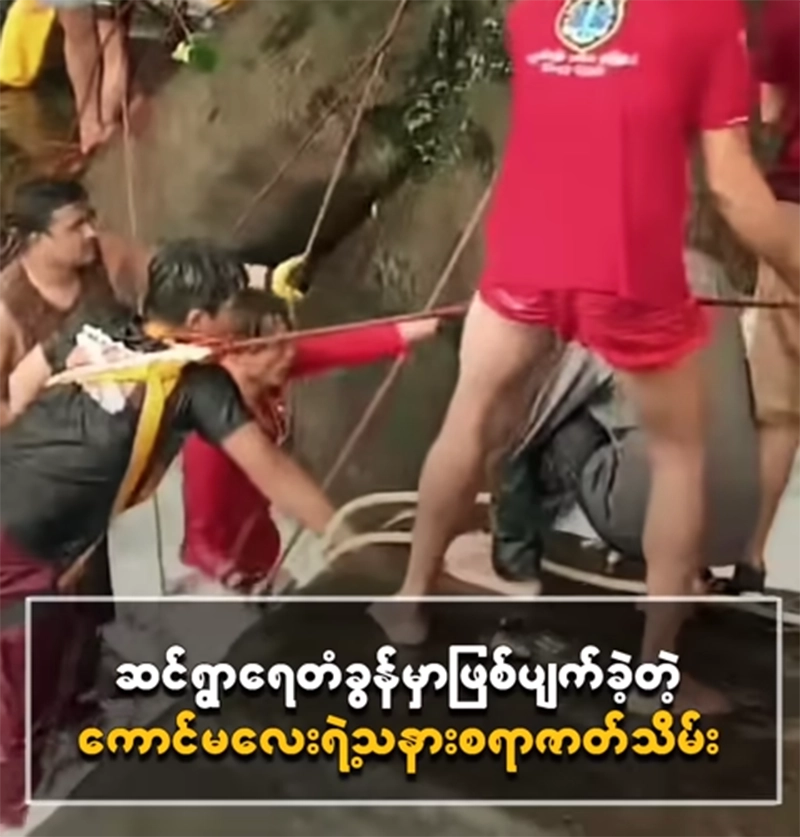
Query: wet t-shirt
[62, 462]
[608, 98]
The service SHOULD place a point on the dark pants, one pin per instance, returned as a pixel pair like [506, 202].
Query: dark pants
[537, 485]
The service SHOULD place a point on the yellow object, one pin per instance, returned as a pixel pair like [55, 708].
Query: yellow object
[286, 277]
[159, 380]
[23, 44]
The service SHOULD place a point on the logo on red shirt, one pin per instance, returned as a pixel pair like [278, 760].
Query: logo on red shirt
[584, 25]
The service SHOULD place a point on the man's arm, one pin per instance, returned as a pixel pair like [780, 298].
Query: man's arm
[746, 202]
[773, 103]
[279, 478]
[212, 406]
[9, 351]
[725, 99]
[28, 380]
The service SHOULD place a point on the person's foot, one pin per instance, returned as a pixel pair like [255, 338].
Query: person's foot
[693, 694]
[93, 135]
[402, 622]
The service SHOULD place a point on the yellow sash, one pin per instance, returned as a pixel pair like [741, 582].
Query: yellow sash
[159, 379]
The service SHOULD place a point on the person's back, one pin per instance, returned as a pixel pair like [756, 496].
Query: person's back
[600, 201]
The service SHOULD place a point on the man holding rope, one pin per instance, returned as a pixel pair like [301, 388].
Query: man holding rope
[775, 355]
[585, 240]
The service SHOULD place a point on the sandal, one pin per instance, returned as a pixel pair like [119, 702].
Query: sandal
[746, 579]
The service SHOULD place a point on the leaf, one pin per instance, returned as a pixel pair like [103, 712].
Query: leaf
[202, 56]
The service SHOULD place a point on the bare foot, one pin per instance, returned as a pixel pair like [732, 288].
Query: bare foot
[692, 695]
[402, 622]
[93, 135]
[696, 695]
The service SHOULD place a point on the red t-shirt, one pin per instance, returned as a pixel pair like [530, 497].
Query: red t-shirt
[608, 98]
[228, 523]
[778, 63]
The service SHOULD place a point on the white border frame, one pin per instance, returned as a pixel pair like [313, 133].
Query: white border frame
[409, 803]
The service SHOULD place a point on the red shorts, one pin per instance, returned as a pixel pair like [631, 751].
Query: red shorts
[629, 336]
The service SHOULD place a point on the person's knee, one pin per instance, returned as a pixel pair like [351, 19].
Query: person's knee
[78, 24]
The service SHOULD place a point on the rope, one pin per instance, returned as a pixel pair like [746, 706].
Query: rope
[391, 376]
[374, 55]
[338, 170]
[570, 573]
[128, 162]
[388, 381]
[343, 155]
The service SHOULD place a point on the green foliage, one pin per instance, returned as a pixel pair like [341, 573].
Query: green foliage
[199, 52]
[431, 124]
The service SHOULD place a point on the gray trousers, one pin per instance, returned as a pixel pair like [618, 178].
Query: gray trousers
[537, 484]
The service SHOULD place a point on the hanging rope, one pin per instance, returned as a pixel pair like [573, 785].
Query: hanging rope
[374, 55]
[130, 188]
[338, 170]
[388, 381]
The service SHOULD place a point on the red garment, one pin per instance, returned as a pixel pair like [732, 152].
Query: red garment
[60, 635]
[228, 523]
[778, 63]
[628, 335]
[607, 100]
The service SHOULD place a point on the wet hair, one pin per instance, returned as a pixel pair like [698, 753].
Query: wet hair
[191, 275]
[32, 209]
[255, 313]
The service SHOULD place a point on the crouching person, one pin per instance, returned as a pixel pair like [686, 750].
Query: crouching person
[584, 447]
[86, 450]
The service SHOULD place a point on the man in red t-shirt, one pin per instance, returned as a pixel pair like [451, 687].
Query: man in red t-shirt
[775, 353]
[584, 241]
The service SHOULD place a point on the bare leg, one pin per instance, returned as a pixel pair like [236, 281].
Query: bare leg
[113, 37]
[84, 66]
[778, 448]
[671, 405]
[496, 359]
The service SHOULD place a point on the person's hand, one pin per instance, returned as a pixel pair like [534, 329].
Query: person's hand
[287, 279]
[415, 331]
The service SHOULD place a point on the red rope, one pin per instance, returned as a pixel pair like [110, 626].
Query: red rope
[227, 346]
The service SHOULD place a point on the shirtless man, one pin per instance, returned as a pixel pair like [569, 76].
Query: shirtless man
[585, 239]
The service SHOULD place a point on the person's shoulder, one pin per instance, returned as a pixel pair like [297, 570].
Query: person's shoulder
[208, 378]
[12, 287]
[10, 328]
